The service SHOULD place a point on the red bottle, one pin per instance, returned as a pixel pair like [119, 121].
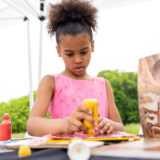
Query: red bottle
[5, 128]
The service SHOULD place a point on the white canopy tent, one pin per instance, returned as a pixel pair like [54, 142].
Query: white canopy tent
[14, 11]
[10, 14]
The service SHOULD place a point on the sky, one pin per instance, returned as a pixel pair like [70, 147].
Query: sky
[125, 34]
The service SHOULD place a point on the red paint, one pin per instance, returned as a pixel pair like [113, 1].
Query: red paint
[5, 128]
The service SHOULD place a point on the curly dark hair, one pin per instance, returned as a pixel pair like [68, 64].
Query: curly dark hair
[72, 17]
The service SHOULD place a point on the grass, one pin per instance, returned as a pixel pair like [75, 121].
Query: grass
[18, 135]
[132, 128]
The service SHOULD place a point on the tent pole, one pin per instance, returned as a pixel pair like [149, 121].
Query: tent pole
[31, 100]
[41, 18]
[40, 51]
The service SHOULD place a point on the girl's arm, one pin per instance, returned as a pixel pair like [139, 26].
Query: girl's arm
[113, 122]
[38, 125]
[113, 113]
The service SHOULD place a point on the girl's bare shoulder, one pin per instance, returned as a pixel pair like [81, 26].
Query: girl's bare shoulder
[48, 77]
[108, 85]
[108, 88]
[48, 81]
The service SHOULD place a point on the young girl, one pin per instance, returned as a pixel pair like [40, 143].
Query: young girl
[72, 22]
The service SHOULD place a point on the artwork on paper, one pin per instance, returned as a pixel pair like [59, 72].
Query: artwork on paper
[116, 135]
[149, 94]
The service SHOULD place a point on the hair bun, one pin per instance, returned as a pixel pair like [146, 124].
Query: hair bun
[81, 11]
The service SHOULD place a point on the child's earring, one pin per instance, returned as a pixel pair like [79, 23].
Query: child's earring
[58, 51]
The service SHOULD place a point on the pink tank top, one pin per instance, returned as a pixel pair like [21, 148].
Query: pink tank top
[69, 94]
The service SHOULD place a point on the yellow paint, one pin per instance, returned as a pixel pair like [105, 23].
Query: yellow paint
[57, 141]
[90, 132]
[92, 104]
[98, 139]
[74, 138]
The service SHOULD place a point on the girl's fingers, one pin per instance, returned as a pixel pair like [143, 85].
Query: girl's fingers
[100, 119]
[106, 128]
[84, 113]
[73, 129]
[110, 130]
[83, 116]
[101, 124]
[77, 125]
[98, 127]
[84, 109]
[79, 128]
[84, 129]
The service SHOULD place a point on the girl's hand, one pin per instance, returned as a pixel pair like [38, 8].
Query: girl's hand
[74, 123]
[104, 126]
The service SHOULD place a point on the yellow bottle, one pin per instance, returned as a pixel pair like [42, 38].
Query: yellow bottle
[92, 104]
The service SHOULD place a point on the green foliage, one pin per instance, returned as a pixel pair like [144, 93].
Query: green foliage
[18, 110]
[124, 86]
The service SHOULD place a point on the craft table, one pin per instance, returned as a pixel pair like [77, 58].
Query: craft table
[144, 149]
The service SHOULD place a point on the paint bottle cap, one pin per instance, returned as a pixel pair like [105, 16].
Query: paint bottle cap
[78, 150]
[6, 116]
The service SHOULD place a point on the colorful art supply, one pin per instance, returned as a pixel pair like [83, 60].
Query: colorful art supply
[24, 151]
[78, 149]
[92, 104]
[5, 128]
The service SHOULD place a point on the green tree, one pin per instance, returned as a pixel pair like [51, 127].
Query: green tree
[124, 85]
[18, 110]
